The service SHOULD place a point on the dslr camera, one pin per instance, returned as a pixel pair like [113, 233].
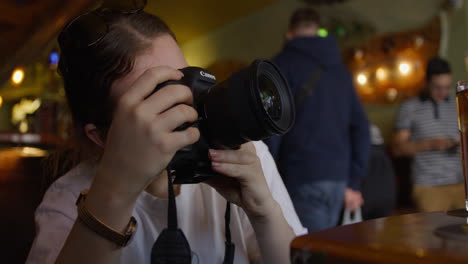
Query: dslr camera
[252, 104]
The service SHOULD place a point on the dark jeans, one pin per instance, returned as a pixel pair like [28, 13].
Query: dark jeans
[318, 204]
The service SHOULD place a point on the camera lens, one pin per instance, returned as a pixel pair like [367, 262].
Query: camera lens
[270, 97]
[253, 104]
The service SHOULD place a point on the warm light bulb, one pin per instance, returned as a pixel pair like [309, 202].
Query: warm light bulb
[381, 74]
[419, 41]
[358, 54]
[18, 76]
[392, 94]
[404, 68]
[1, 101]
[23, 126]
[361, 79]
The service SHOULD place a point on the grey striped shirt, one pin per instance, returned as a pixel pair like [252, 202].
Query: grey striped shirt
[427, 119]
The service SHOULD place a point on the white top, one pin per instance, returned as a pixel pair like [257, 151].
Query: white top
[200, 211]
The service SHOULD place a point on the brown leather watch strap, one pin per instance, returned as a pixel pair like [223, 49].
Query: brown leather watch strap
[100, 228]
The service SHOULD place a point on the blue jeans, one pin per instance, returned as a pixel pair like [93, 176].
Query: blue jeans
[319, 204]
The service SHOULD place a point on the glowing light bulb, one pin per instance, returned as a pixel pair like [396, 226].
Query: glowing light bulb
[1, 101]
[18, 76]
[392, 94]
[358, 54]
[23, 126]
[419, 41]
[322, 32]
[381, 74]
[361, 79]
[404, 68]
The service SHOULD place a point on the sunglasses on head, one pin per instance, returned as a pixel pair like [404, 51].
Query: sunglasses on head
[88, 29]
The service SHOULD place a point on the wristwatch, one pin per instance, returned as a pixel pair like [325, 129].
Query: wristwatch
[102, 229]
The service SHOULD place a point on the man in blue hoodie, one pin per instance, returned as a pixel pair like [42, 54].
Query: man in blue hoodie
[325, 156]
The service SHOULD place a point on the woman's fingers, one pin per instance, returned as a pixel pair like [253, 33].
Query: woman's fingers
[185, 137]
[247, 186]
[169, 143]
[237, 171]
[242, 156]
[234, 163]
[167, 97]
[177, 116]
[146, 83]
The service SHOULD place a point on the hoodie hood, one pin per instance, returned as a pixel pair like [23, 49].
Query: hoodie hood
[322, 50]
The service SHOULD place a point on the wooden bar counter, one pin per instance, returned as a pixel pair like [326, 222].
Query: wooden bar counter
[397, 239]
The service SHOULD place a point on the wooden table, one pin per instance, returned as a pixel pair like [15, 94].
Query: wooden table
[397, 239]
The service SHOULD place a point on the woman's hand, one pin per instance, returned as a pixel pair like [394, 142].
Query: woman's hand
[244, 183]
[141, 140]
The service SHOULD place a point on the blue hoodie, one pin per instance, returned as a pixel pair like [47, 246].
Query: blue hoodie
[330, 139]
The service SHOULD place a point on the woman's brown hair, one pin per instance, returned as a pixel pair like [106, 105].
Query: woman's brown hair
[89, 73]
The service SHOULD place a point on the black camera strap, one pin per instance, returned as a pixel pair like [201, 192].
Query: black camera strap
[172, 222]
[172, 246]
[230, 247]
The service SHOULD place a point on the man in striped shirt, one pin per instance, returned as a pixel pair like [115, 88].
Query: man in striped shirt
[427, 129]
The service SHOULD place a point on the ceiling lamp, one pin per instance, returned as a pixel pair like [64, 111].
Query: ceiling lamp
[392, 94]
[381, 73]
[18, 76]
[404, 68]
[361, 79]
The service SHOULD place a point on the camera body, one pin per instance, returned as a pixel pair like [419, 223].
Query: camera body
[252, 104]
[191, 164]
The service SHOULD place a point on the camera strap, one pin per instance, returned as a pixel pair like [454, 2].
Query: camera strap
[230, 247]
[172, 246]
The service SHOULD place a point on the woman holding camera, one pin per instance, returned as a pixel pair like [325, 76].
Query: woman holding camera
[126, 137]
